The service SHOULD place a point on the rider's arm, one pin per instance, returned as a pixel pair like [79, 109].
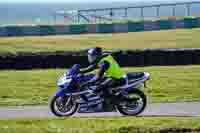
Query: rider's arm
[90, 68]
[102, 68]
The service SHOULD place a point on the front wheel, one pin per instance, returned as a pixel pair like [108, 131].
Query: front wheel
[133, 105]
[63, 106]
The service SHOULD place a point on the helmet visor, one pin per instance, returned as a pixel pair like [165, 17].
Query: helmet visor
[91, 58]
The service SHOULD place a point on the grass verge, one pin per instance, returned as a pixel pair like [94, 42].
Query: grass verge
[33, 87]
[181, 38]
[102, 125]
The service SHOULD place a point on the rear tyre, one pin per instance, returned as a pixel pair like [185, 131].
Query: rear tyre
[63, 106]
[133, 105]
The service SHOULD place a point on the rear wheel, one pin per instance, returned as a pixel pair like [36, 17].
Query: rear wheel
[63, 106]
[134, 104]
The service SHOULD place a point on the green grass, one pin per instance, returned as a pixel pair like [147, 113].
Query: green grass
[33, 87]
[98, 125]
[181, 38]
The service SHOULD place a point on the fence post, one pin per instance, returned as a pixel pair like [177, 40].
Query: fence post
[55, 18]
[95, 19]
[126, 12]
[142, 12]
[158, 11]
[78, 13]
[188, 9]
[111, 12]
[174, 10]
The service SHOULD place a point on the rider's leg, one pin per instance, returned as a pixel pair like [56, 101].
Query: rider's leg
[106, 86]
[109, 83]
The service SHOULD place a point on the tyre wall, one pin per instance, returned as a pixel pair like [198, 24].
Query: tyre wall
[148, 57]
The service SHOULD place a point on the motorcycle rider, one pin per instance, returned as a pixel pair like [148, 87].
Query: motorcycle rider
[109, 73]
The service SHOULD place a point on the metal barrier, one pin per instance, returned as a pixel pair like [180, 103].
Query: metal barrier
[146, 57]
[110, 14]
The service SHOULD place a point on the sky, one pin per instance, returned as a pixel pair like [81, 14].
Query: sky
[80, 1]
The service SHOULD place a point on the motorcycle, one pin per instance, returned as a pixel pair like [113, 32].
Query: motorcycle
[71, 97]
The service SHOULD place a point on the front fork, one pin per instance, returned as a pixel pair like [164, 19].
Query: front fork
[66, 100]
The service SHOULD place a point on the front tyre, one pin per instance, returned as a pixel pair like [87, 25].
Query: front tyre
[133, 105]
[63, 106]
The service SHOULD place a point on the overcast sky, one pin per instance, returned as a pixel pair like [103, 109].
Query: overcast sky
[86, 0]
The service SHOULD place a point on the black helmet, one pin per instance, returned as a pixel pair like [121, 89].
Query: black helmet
[94, 54]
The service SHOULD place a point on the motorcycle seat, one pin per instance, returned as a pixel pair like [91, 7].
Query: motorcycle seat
[135, 75]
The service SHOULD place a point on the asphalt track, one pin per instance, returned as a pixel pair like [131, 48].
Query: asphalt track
[191, 109]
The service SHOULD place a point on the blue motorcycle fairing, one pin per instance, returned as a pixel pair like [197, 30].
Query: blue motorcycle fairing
[74, 70]
[88, 77]
[60, 92]
[65, 91]
[69, 88]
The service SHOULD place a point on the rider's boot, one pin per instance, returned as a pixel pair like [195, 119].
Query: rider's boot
[107, 106]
